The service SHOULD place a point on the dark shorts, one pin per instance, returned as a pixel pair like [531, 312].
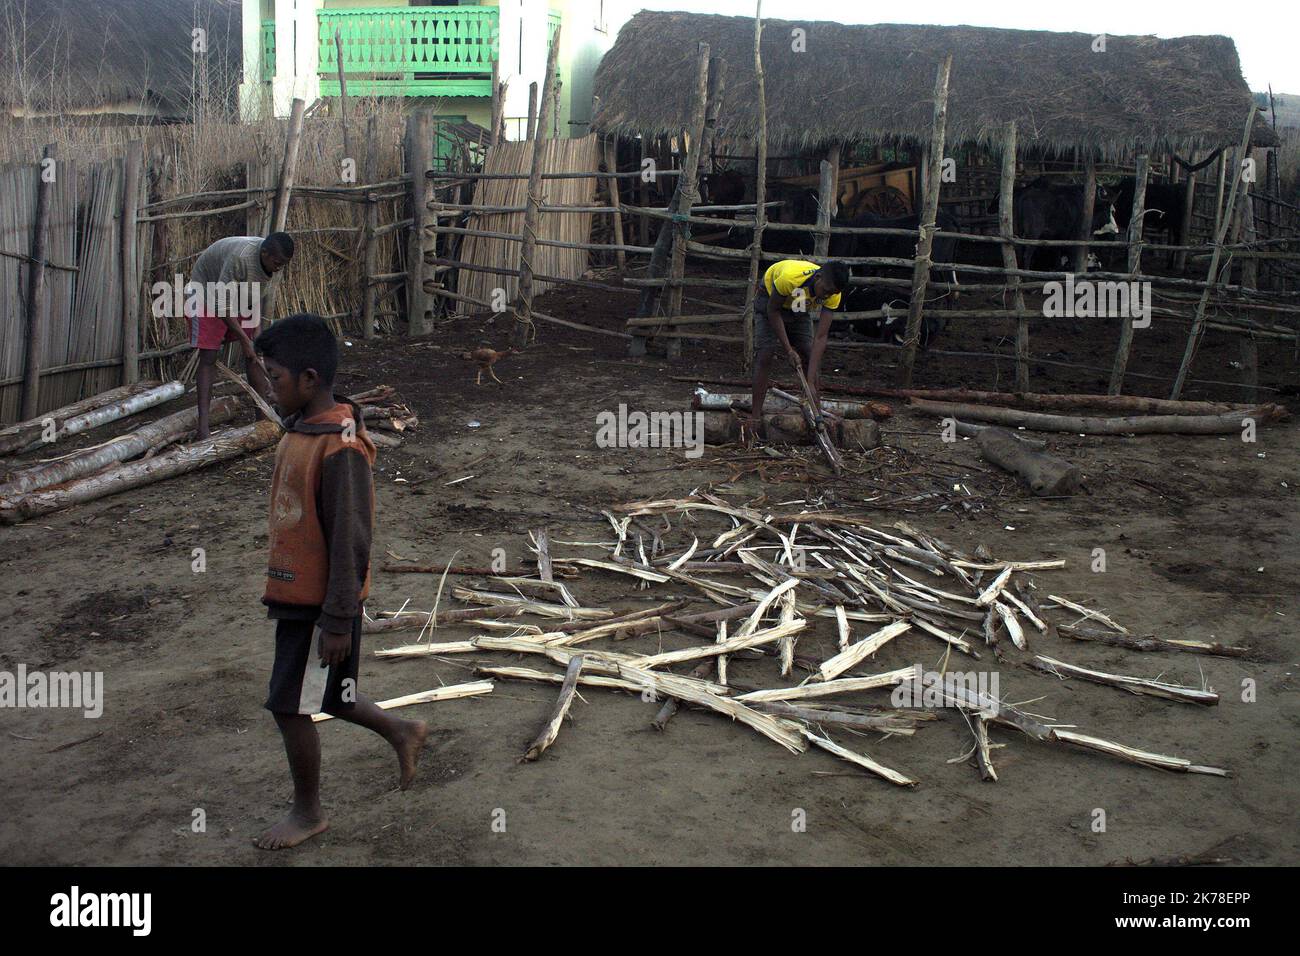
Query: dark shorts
[798, 330]
[299, 684]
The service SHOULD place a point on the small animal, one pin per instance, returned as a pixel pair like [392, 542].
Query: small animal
[485, 358]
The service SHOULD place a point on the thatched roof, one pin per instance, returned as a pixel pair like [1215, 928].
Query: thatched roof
[86, 55]
[876, 83]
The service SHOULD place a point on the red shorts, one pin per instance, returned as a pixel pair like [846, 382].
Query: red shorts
[210, 332]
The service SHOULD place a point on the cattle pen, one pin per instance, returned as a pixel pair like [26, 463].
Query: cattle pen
[984, 130]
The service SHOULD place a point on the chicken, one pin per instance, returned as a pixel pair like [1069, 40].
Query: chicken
[485, 358]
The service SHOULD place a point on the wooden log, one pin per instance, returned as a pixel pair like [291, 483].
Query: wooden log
[25, 434]
[1006, 229]
[740, 642]
[1089, 203]
[130, 281]
[551, 729]
[1046, 475]
[283, 193]
[1221, 227]
[220, 447]
[861, 760]
[721, 428]
[92, 418]
[154, 435]
[38, 306]
[1184, 232]
[523, 330]
[1134, 267]
[1136, 424]
[713, 401]
[929, 209]
[496, 108]
[611, 164]
[855, 654]
[531, 133]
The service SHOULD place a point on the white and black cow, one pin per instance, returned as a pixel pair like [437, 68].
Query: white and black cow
[1047, 210]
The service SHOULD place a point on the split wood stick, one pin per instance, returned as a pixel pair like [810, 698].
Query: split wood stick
[428, 650]
[737, 643]
[672, 704]
[531, 607]
[983, 750]
[538, 588]
[990, 565]
[186, 458]
[585, 680]
[551, 729]
[842, 622]
[904, 726]
[644, 574]
[1087, 612]
[930, 627]
[398, 621]
[855, 654]
[752, 624]
[252, 393]
[1149, 642]
[862, 760]
[1134, 685]
[843, 685]
[544, 567]
[619, 630]
[990, 593]
[464, 570]
[1014, 630]
[786, 644]
[1024, 609]
[722, 658]
[1145, 757]
[450, 692]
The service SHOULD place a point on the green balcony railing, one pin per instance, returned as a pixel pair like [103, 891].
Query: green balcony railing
[409, 51]
[268, 49]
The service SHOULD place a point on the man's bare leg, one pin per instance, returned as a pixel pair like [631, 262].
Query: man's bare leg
[205, 374]
[762, 377]
[306, 819]
[405, 736]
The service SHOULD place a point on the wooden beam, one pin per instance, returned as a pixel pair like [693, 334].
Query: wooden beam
[611, 165]
[532, 111]
[134, 167]
[930, 208]
[760, 190]
[1089, 204]
[38, 306]
[1134, 267]
[419, 146]
[370, 262]
[1006, 229]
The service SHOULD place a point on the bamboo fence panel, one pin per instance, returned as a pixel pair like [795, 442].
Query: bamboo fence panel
[558, 156]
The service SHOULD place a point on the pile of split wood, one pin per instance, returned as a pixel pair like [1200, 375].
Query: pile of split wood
[769, 579]
[157, 450]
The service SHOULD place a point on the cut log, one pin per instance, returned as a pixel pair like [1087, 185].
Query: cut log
[23, 434]
[1046, 475]
[968, 430]
[1134, 685]
[775, 403]
[1223, 424]
[112, 411]
[721, 428]
[154, 435]
[551, 729]
[220, 447]
[450, 692]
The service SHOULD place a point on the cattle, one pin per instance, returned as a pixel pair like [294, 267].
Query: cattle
[725, 188]
[1163, 213]
[874, 298]
[1047, 210]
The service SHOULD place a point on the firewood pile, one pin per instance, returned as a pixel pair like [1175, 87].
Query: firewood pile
[778, 585]
[154, 451]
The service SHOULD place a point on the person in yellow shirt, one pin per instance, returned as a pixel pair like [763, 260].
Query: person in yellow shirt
[792, 291]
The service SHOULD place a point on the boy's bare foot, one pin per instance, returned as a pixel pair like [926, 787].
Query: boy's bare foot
[408, 744]
[290, 831]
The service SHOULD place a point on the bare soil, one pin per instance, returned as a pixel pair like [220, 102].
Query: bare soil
[1199, 533]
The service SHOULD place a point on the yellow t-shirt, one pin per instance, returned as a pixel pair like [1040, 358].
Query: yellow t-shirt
[782, 278]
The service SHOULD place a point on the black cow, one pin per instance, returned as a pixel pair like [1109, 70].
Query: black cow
[872, 298]
[1164, 205]
[725, 188]
[1047, 210]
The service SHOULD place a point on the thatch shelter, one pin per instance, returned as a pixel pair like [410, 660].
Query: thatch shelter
[117, 60]
[874, 83]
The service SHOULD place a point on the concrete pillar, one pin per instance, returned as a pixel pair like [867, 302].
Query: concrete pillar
[251, 89]
[522, 45]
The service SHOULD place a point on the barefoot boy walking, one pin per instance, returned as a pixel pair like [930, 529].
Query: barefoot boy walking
[322, 510]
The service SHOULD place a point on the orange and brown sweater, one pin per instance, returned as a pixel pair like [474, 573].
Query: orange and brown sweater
[322, 512]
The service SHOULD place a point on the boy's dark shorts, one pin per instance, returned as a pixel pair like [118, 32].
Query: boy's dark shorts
[299, 685]
[798, 330]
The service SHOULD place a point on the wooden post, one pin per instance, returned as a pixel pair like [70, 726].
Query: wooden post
[1249, 352]
[760, 190]
[827, 200]
[524, 314]
[688, 187]
[1185, 232]
[370, 292]
[130, 263]
[419, 157]
[611, 166]
[1006, 229]
[288, 167]
[644, 195]
[1198, 319]
[1249, 266]
[1218, 195]
[930, 208]
[38, 306]
[1089, 204]
[343, 93]
[1134, 267]
[497, 106]
[532, 110]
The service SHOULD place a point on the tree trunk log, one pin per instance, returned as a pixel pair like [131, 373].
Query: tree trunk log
[1224, 424]
[1046, 474]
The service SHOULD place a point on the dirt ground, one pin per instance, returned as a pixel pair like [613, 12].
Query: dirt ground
[1201, 542]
